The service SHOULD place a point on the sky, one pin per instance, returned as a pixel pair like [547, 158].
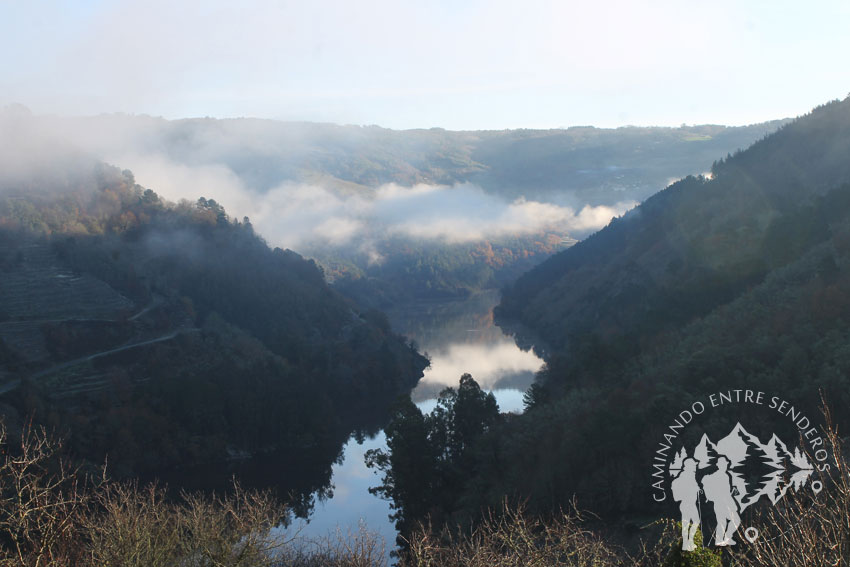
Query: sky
[442, 63]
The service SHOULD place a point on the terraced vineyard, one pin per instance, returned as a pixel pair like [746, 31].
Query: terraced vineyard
[36, 287]
[43, 305]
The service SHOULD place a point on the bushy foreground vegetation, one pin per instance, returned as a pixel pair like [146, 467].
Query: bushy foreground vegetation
[51, 516]
[801, 530]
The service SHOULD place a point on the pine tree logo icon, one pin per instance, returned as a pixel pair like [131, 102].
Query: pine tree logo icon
[732, 475]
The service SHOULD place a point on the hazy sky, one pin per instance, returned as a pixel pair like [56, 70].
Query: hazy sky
[456, 64]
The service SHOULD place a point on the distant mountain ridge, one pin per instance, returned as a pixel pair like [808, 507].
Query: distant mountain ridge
[594, 165]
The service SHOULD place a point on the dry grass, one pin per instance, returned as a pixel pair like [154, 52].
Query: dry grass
[140, 527]
[512, 538]
[805, 530]
[47, 518]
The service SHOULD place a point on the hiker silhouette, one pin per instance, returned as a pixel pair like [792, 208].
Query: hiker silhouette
[686, 490]
[718, 490]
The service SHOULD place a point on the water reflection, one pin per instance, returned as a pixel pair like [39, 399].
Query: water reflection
[497, 365]
[459, 336]
[350, 505]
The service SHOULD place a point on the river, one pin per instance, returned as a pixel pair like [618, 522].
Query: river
[458, 336]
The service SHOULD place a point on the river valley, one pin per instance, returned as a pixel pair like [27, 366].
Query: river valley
[458, 336]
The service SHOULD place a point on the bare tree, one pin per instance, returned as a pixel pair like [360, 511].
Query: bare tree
[39, 501]
[804, 530]
[232, 530]
[129, 526]
[512, 538]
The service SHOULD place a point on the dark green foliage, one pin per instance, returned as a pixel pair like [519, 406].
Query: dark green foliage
[217, 343]
[427, 463]
[699, 557]
[409, 465]
[698, 243]
[741, 281]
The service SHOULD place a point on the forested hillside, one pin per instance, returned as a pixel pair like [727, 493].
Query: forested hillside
[737, 281]
[698, 243]
[158, 334]
[413, 269]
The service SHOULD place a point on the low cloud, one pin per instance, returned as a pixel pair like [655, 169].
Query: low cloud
[466, 213]
[496, 364]
[488, 363]
[32, 157]
[247, 166]
[296, 214]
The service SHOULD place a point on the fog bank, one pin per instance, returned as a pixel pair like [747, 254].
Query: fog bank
[286, 178]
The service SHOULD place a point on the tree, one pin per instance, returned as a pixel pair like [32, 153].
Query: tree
[474, 413]
[408, 466]
[429, 458]
[39, 501]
